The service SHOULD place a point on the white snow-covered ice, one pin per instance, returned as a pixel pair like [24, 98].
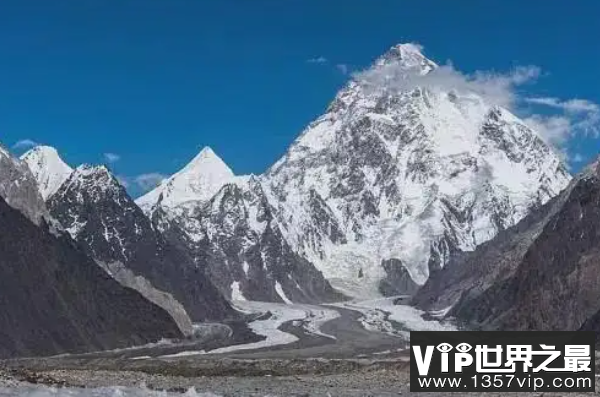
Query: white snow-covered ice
[377, 314]
[48, 168]
[310, 318]
[406, 171]
[198, 181]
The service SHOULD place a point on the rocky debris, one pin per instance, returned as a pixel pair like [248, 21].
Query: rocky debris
[381, 381]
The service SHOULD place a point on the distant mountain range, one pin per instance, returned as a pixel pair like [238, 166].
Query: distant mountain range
[391, 191]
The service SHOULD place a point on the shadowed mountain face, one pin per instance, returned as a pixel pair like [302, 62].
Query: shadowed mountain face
[226, 224]
[99, 214]
[55, 299]
[246, 256]
[541, 275]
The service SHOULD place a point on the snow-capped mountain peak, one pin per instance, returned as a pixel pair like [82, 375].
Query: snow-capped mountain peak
[396, 176]
[207, 161]
[96, 180]
[198, 181]
[408, 56]
[48, 168]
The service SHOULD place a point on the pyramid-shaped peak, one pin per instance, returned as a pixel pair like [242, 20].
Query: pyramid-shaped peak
[207, 152]
[407, 55]
[199, 180]
[208, 161]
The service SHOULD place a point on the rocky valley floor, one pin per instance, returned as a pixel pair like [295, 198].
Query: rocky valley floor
[349, 349]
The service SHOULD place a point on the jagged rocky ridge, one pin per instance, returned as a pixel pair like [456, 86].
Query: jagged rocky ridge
[99, 214]
[55, 299]
[391, 181]
[246, 255]
[227, 224]
[543, 274]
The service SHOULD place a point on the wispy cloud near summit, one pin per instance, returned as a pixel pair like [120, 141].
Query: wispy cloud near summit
[150, 180]
[561, 120]
[25, 144]
[111, 157]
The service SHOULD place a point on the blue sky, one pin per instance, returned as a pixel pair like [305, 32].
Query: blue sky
[153, 81]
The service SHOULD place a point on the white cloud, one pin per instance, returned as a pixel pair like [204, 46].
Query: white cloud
[150, 180]
[319, 60]
[582, 115]
[578, 158]
[555, 130]
[571, 106]
[343, 68]
[124, 181]
[25, 144]
[495, 88]
[560, 121]
[111, 157]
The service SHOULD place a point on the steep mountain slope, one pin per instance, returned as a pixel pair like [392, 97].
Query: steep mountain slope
[468, 274]
[548, 268]
[19, 188]
[99, 214]
[226, 223]
[55, 299]
[234, 233]
[49, 170]
[387, 184]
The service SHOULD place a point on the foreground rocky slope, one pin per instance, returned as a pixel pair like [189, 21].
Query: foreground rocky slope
[99, 214]
[400, 173]
[227, 225]
[55, 299]
[541, 275]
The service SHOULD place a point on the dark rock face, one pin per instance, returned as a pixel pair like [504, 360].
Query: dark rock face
[55, 299]
[542, 274]
[97, 211]
[397, 280]
[468, 274]
[245, 254]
